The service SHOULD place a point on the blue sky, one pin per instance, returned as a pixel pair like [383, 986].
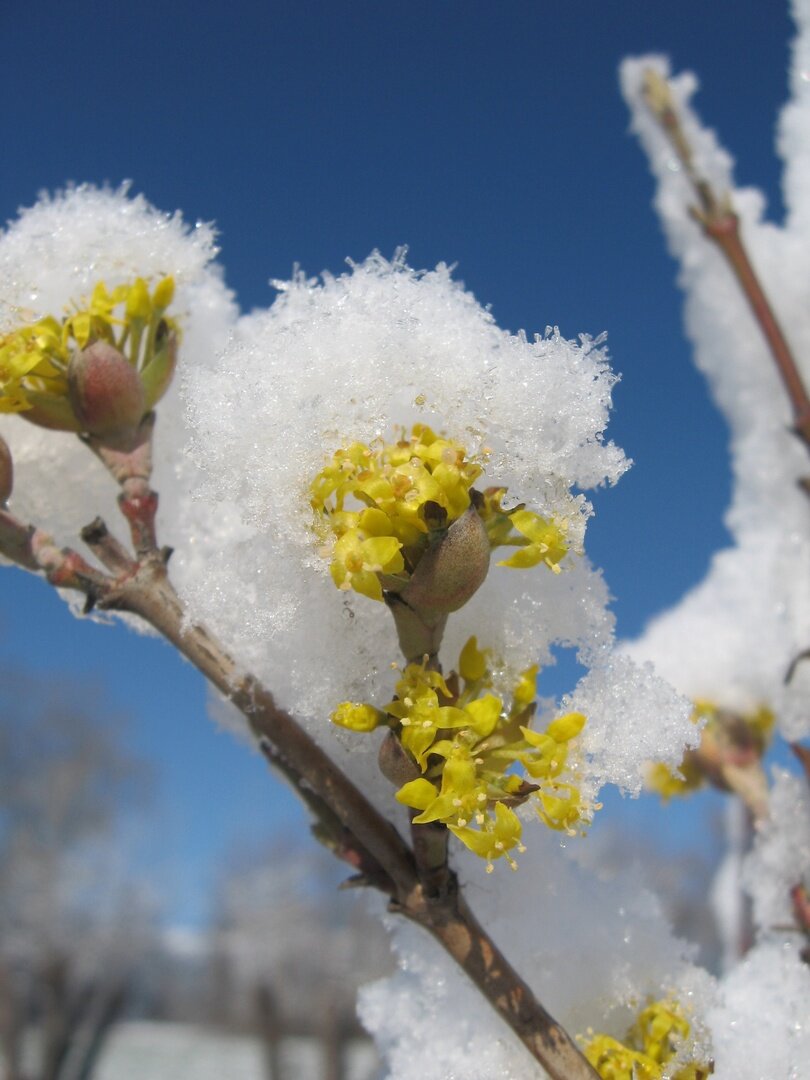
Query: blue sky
[490, 136]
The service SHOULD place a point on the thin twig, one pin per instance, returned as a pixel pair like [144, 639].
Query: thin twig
[721, 225]
[445, 914]
[369, 837]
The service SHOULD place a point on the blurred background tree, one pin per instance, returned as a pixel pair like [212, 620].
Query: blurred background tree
[73, 922]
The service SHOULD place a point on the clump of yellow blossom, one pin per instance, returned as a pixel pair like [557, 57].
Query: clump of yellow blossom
[35, 359]
[728, 740]
[654, 1041]
[469, 748]
[380, 507]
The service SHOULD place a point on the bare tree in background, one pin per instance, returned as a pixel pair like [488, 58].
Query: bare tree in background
[292, 953]
[70, 924]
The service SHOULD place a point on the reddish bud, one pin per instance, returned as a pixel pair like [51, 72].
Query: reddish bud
[105, 391]
[452, 569]
[396, 764]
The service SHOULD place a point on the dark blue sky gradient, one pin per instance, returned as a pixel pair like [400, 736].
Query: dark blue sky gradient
[491, 136]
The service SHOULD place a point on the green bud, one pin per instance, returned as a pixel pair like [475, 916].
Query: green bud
[50, 411]
[159, 370]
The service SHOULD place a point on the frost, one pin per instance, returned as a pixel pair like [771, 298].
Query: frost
[634, 717]
[54, 253]
[267, 397]
[732, 638]
[357, 357]
[781, 858]
[760, 1025]
[589, 965]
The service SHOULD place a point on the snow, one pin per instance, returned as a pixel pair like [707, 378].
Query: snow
[732, 638]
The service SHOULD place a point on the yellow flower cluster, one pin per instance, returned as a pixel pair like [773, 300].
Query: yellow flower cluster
[537, 539]
[466, 744]
[652, 1043]
[407, 488]
[34, 359]
[748, 734]
[383, 503]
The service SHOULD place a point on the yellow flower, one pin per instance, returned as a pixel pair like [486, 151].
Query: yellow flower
[357, 562]
[400, 479]
[357, 717]
[467, 754]
[660, 1029]
[526, 690]
[472, 662]
[421, 486]
[728, 738]
[668, 783]
[30, 357]
[462, 796]
[466, 746]
[421, 719]
[35, 359]
[545, 759]
[546, 542]
[495, 839]
[659, 1033]
[615, 1061]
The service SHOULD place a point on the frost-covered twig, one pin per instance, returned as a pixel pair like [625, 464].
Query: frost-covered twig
[721, 225]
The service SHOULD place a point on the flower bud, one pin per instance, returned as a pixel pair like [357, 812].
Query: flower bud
[452, 569]
[105, 391]
[139, 304]
[6, 472]
[163, 294]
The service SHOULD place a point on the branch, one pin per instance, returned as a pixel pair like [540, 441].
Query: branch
[354, 828]
[445, 916]
[418, 882]
[372, 838]
[721, 225]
